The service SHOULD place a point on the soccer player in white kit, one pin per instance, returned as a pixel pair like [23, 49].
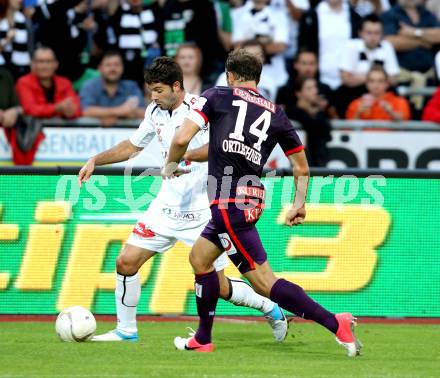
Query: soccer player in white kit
[179, 212]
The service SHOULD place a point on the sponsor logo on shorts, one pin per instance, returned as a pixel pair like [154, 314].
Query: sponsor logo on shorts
[227, 244]
[141, 230]
[182, 215]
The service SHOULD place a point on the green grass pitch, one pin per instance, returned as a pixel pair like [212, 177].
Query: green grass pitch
[32, 349]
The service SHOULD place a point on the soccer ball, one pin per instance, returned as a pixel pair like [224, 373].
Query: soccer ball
[75, 324]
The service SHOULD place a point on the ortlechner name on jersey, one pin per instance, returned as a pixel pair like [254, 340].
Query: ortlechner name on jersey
[238, 147]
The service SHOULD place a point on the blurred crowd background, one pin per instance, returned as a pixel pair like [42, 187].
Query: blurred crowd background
[323, 60]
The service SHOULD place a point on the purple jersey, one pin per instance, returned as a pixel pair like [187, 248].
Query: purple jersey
[244, 129]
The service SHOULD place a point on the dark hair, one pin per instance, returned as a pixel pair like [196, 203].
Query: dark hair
[244, 66]
[299, 82]
[4, 5]
[377, 68]
[304, 51]
[164, 70]
[43, 48]
[370, 18]
[111, 54]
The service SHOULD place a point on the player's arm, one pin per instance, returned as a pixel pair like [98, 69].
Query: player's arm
[121, 152]
[301, 174]
[198, 154]
[179, 145]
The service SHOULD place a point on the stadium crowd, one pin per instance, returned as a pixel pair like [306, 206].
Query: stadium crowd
[323, 59]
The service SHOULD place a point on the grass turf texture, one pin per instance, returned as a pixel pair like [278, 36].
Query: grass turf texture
[32, 349]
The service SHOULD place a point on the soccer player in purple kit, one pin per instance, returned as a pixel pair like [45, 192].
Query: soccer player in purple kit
[244, 129]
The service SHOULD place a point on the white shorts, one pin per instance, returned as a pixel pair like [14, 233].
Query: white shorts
[160, 227]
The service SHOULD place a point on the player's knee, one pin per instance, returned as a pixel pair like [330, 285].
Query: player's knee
[125, 266]
[194, 260]
[198, 263]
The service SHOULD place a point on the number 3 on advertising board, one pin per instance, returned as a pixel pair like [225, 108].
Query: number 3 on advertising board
[351, 254]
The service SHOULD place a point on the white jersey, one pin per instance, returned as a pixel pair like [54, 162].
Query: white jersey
[189, 191]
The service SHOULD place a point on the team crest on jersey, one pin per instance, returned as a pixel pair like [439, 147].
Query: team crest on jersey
[159, 131]
[227, 244]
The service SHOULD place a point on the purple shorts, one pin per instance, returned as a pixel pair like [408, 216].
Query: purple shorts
[233, 230]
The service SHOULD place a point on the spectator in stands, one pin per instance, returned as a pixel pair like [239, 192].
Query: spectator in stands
[135, 32]
[378, 104]
[432, 108]
[72, 23]
[23, 140]
[305, 65]
[294, 10]
[324, 30]
[257, 20]
[14, 39]
[224, 23]
[413, 31]
[193, 21]
[88, 22]
[43, 94]
[308, 112]
[266, 85]
[359, 55]
[108, 97]
[368, 7]
[54, 27]
[189, 58]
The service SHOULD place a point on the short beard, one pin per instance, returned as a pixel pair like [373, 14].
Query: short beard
[109, 81]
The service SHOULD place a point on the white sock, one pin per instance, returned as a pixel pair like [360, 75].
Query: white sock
[244, 295]
[127, 293]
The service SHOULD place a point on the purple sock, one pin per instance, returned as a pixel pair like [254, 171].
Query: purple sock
[207, 294]
[294, 299]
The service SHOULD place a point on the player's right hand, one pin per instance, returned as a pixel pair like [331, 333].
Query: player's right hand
[172, 170]
[295, 216]
[86, 171]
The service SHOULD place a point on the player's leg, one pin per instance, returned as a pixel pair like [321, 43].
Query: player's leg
[128, 285]
[240, 293]
[127, 293]
[294, 299]
[142, 244]
[251, 260]
[207, 289]
[235, 290]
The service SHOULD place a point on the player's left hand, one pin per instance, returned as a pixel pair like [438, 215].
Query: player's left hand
[295, 216]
